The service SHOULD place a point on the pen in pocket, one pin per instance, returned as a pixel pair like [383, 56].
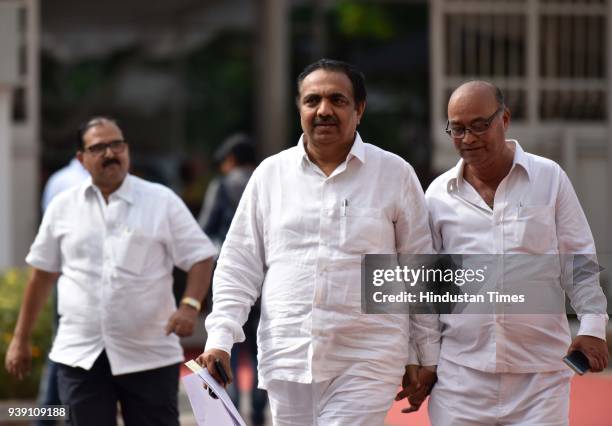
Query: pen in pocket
[344, 206]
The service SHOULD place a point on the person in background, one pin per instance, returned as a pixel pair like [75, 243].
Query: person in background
[112, 242]
[67, 177]
[236, 161]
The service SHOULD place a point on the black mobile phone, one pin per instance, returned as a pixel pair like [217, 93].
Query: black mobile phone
[578, 362]
[221, 372]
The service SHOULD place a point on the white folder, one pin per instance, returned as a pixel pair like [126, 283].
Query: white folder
[207, 410]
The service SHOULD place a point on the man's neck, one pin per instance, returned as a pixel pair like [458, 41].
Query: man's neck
[107, 190]
[491, 173]
[327, 157]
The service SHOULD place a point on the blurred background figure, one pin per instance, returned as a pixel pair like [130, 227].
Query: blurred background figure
[68, 176]
[236, 161]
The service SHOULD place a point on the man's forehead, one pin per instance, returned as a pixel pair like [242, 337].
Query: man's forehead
[326, 81]
[472, 102]
[100, 130]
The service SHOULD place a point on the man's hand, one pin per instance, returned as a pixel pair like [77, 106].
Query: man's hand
[416, 383]
[18, 359]
[19, 354]
[182, 322]
[595, 349]
[207, 360]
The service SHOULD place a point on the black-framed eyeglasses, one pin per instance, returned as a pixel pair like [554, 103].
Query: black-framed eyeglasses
[116, 147]
[478, 127]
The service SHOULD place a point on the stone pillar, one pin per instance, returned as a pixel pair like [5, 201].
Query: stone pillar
[6, 175]
[273, 105]
[8, 79]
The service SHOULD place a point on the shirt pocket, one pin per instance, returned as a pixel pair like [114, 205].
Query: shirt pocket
[362, 230]
[535, 230]
[130, 251]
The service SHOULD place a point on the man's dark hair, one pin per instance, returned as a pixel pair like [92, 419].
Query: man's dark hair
[357, 78]
[85, 126]
[240, 146]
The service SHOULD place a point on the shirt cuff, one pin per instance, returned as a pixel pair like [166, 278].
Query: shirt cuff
[41, 264]
[413, 356]
[219, 340]
[593, 325]
[429, 353]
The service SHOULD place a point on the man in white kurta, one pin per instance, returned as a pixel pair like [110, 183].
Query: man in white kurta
[113, 242]
[498, 199]
[306, 218]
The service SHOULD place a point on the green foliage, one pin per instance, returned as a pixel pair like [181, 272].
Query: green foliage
[362, 20]
[12, 285]
[219, 79]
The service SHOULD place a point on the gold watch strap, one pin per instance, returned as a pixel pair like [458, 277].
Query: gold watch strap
[190, 301]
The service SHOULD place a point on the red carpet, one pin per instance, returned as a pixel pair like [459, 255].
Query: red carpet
[591, 400]
[590, 404]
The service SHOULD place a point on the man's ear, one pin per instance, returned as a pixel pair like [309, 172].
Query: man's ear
[506, 118]
[360, 108]
[79, 156]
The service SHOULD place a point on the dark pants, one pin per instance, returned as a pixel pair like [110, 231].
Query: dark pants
[146, 397]
[49, 394]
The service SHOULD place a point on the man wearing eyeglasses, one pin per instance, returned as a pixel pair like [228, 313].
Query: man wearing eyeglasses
[498, 199]
[113, 242]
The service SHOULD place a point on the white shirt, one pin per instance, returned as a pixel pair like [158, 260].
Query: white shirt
[536, 211]
[116, 260]
[67, 177]
[292, 234]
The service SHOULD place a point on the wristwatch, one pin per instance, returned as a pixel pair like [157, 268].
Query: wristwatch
[190, 301]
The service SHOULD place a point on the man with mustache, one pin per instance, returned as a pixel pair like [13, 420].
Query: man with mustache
[304, 221]
[498, 199]
[113, 242]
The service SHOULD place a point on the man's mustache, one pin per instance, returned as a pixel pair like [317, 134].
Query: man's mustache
[111, 161]
[325, 120]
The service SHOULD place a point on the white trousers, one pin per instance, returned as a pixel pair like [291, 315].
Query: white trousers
[467, 397]
[345, 400]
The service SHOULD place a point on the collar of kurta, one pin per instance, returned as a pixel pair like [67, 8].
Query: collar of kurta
[520, 159]
[124, 191]
[357, 150]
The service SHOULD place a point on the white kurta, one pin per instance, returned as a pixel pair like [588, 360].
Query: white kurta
[298, 238]
[536, 211]
[116, 261]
